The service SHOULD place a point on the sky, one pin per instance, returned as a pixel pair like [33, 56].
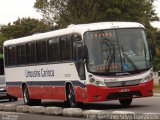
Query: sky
[156, 24]
[11, 10]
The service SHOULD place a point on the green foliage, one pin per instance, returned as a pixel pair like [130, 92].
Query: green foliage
[65, 12]
[23, 27]
[2, 39]
[156, 59]
[156, 64]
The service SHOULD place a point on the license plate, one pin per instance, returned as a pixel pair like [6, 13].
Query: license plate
[124, 90]
[3, 94]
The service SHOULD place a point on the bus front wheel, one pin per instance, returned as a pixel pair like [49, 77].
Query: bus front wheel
[26, 98]
[125, 102]
[71, 100]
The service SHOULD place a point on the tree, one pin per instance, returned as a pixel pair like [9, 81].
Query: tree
[65, 12]
[23, 27]
[2, 39]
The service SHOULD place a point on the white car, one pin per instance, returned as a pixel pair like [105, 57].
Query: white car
[3, 93]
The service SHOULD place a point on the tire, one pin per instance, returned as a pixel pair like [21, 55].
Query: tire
[71, 100]
[27, 100]
[125, 102]
[12, 98]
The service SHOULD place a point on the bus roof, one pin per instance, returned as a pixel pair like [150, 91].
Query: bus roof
[80, 28]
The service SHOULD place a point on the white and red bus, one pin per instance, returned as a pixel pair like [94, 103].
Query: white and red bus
[81, 63]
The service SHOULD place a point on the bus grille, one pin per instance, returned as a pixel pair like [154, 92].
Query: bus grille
[124, 95]
[123, 83]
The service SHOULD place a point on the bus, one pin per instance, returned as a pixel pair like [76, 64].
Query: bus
[81, 63]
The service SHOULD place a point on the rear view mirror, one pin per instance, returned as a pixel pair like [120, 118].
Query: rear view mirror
[76, 37]
[81, 51]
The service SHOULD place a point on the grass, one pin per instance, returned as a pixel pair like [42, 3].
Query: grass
[157, 89]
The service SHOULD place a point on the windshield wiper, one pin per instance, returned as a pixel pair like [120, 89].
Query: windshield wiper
[111, 55]
[129, 60]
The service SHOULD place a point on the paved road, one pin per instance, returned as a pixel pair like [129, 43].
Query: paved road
[26, 116]
[140, 105]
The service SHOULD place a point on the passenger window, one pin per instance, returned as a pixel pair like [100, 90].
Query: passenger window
[21, 54]
[41, 51]
[30, 53]
[53, 50]
[11, 55]
[65, 48]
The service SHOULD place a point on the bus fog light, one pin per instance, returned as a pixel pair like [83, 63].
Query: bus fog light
[97, 82]
[92, 80]
[100, 83]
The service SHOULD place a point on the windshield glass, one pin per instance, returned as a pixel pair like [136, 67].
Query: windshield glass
[120, 50]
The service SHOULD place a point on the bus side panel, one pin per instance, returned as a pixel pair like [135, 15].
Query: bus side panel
[44, 81]
[80, 94]
[35, 92]
[60, 93]
[47, 92]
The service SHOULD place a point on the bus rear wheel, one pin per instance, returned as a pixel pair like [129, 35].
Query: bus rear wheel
[125, 102]
[13, 99]
[27, 100]
[71, 100]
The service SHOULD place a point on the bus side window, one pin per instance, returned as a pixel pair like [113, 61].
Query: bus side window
[41, 51]
[18, 55]
[30, 53]
[6, 55]
[53, 50]
[21, 54]
[65, 44]
[11, 55]
[50, 50]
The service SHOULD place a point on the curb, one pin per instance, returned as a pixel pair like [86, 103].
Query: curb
[88, 113]
[10, 107]
[54, 111]
[156, 94]
[37, 109]
[77, 112]
[72, 112]
[23, 108]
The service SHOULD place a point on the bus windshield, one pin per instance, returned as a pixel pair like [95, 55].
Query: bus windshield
[117, 50]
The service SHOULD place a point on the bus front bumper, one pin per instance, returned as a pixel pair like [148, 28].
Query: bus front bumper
[103, 93]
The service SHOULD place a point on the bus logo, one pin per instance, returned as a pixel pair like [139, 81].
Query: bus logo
[123, 83]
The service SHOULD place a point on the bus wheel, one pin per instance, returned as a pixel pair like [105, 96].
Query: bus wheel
[27, 100]
[71, 100]
[13, 99]
[125, 102]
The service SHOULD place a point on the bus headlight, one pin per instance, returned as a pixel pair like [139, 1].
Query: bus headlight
[147, 78]
[95, 82]
[100, 83]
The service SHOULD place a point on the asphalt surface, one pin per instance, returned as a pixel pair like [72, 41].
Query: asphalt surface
[27, 116]
[139, 105]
